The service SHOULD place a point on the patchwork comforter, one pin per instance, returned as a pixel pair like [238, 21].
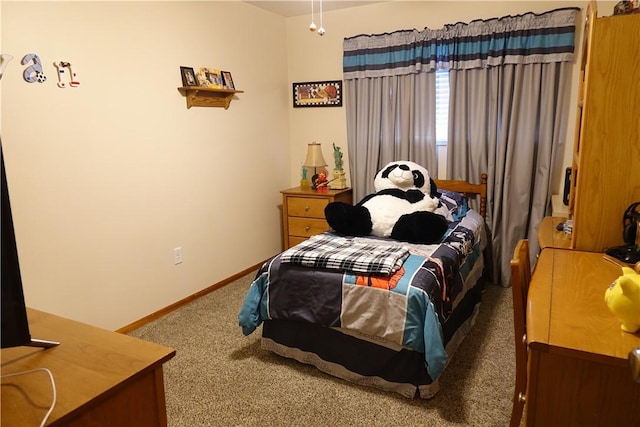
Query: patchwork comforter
[407, 307]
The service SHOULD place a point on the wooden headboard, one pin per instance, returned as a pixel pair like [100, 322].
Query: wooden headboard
[468, 189]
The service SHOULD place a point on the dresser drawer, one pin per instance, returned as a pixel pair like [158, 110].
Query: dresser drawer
[306, 207]
[303, 212]
[306, 226]
[294, 240]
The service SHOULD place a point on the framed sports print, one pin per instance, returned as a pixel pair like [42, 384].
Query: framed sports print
[318, 94]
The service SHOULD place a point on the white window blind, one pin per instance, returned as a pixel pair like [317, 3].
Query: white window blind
[442, 107]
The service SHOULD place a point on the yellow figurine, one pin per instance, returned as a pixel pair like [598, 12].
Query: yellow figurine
[623, 299]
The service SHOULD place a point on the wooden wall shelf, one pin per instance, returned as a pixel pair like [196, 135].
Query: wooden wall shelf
[207, 97]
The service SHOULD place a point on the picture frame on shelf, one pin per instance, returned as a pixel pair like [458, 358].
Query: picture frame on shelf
[317, 94]
[210, 77]
[227, 80]
[188, 76]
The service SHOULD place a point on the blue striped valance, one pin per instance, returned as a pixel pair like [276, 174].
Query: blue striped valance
[521, 39]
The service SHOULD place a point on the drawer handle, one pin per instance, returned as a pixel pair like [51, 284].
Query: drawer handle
[522, 398]
[307, 228]
[634, 364]
[306, 208]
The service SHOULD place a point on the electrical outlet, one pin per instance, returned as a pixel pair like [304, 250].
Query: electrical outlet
[177, 255]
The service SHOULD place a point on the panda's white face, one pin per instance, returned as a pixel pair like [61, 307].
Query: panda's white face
[403, 175]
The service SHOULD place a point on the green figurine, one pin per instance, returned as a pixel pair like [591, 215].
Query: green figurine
[304, 182]
[337, 157]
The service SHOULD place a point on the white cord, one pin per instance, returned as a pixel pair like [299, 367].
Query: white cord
[53, 389]
[312, 26]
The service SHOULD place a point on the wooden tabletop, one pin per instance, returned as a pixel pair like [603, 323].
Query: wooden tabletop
[550, 237]
[566, 311]
[88, 364]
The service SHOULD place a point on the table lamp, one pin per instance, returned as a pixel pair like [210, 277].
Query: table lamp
[314, 160]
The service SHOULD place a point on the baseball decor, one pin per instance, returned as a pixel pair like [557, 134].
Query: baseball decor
[65, 75]
[318, 94]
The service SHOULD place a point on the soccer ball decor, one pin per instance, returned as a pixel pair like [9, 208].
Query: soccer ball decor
[35, 74]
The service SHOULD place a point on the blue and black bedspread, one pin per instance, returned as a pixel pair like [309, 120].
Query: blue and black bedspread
[407, 307]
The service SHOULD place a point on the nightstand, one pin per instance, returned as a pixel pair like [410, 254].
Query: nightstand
[303, 212]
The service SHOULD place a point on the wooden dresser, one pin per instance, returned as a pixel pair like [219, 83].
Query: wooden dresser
[303, 212]
[578, 374]
[606, 155]
[102, 378]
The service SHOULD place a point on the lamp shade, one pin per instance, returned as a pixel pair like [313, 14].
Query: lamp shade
[314, 156]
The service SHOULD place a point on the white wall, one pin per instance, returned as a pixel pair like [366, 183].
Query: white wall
[314, 58]
[107, 178]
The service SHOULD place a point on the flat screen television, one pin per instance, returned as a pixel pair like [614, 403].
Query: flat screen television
[14, 323]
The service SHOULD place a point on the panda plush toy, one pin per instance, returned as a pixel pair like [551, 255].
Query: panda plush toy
[406, 206]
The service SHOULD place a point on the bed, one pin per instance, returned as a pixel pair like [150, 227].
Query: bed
[374, 311]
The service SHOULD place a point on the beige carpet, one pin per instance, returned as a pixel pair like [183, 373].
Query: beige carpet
[221, 378]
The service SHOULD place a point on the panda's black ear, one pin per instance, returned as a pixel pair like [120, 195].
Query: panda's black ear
[434, 189]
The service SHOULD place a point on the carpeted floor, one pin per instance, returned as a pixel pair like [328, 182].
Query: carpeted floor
[221, 378]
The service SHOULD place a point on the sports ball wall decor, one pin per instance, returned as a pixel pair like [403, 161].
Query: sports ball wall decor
[317, 94]
[64, 69]
[33, 73]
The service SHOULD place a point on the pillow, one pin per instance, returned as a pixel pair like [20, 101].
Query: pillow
[456, 203]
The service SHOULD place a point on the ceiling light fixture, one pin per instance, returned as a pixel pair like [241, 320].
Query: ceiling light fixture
[321, 30]
[312, 27]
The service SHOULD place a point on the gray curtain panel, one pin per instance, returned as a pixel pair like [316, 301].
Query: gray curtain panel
[389, 118]
[509, 86]
[509, 121]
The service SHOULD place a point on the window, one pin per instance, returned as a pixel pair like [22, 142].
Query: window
[442, 107]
